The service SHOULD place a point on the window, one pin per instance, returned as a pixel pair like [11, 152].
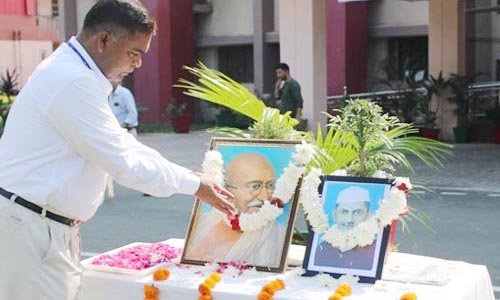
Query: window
[407, 56]
[55, 8]
[236, 62]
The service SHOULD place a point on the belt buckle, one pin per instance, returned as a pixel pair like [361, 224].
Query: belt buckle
[75, 223]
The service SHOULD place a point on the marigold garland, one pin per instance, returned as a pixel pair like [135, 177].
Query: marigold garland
[408, 296]
[205, 288]
[342, 291]
[150, 291]
[161, 274]
[267, 292]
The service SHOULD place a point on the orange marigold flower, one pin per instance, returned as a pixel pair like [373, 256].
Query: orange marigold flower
[205, 289]
[151, 291]
[269, 289]
[161, 274]
[344, 290]
[409, 296]
[264, 296]
[281, 283]
[210, 282]
[205, 297]
[215, 276]
[335, 296]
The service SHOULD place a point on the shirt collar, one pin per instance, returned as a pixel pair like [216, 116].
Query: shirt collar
[104, 82]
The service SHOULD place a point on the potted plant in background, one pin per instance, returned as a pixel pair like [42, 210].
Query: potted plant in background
[180, 119]
[464, 98]
[8, 92]
[437, 92]
[494, 116]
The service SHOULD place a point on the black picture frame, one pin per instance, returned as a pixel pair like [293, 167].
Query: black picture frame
[330, 260]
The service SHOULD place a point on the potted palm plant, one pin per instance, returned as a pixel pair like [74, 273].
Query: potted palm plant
[437, 92]
[494, 116]
[180, 119]
[464, 99]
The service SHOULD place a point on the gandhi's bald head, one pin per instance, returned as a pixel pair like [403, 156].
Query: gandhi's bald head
[250, 177]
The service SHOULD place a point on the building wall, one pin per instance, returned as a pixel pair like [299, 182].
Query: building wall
[398, 13]
[228, 18]
[23, 56]
[82, 7]
[377, 54]
[44, 7]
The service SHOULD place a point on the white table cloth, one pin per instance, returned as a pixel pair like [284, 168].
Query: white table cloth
[429, 278]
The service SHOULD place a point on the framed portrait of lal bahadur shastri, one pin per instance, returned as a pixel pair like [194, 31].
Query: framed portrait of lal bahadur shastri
[259, 235]
[348, 202]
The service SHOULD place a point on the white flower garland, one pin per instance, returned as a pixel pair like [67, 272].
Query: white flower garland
[285, 186]
[362, 234]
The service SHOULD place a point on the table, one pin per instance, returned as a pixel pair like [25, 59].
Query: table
[429, 278]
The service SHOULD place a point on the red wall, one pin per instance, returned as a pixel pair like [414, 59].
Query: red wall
[171, 48]
[18, 7]
[347, 46]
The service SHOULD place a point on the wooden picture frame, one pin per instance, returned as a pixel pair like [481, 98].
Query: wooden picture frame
[251, 168]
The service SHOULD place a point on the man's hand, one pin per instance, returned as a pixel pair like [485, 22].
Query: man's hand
[215, 196]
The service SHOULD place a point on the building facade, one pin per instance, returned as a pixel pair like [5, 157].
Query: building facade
[329, 45]
[29, 31]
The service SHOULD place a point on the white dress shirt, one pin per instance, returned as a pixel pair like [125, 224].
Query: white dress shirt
[122, 104]
[62, 140]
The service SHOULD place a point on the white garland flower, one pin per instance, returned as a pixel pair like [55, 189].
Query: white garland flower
[325, 280]
[213, 166]
[303, 153]
[309, 198]
[255, 221]
[364, 233]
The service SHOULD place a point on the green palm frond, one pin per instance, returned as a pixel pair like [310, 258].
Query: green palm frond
[334, 151]
[218, 88]
[230, 131]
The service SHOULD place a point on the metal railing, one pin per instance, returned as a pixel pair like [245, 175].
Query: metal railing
[485, 96]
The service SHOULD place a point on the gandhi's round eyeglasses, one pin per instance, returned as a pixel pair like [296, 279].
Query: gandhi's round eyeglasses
[255, 187]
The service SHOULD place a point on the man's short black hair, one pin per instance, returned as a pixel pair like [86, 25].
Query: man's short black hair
[283, 67]
[129, 15]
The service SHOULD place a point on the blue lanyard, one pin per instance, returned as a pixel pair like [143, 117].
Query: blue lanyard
[79, 54]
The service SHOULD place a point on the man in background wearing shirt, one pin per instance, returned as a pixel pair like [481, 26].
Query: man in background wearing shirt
[287, 91]
[60, 144]
[122, 104]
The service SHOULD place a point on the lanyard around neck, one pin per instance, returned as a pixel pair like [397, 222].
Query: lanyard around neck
[79, 54]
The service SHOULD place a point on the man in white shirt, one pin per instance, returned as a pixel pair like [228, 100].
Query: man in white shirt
[122, 104]
[60, 144]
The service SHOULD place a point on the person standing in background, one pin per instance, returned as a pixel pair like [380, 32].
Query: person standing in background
[122, 104]
[287, 90]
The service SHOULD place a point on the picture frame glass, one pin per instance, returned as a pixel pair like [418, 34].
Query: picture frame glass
[251, 171]
[347, 202]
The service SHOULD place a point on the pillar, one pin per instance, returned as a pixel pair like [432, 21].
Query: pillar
[446, 53]
[347, 46]
[302, 26]
[262, 51]
[170, 49]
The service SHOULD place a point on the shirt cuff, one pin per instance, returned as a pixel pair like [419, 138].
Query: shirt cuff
[189, 184]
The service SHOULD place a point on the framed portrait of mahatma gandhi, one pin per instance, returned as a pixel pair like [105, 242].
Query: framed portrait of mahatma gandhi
[350, 203]
[260, 233]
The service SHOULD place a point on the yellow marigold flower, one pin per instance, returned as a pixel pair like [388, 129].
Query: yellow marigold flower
[210, 282]
[205, 297]
[151, 291]
[344, 290]
[264, 296]
[281, 283]
[215, 276]
[269, 289]
[161, 274]
[409, 296]
[205, 289]
[335, 296]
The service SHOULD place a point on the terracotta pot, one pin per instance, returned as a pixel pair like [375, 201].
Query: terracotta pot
[496, 135]
[430, 133]
[181, 124]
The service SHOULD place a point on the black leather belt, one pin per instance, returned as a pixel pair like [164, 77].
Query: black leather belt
[39, 210]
